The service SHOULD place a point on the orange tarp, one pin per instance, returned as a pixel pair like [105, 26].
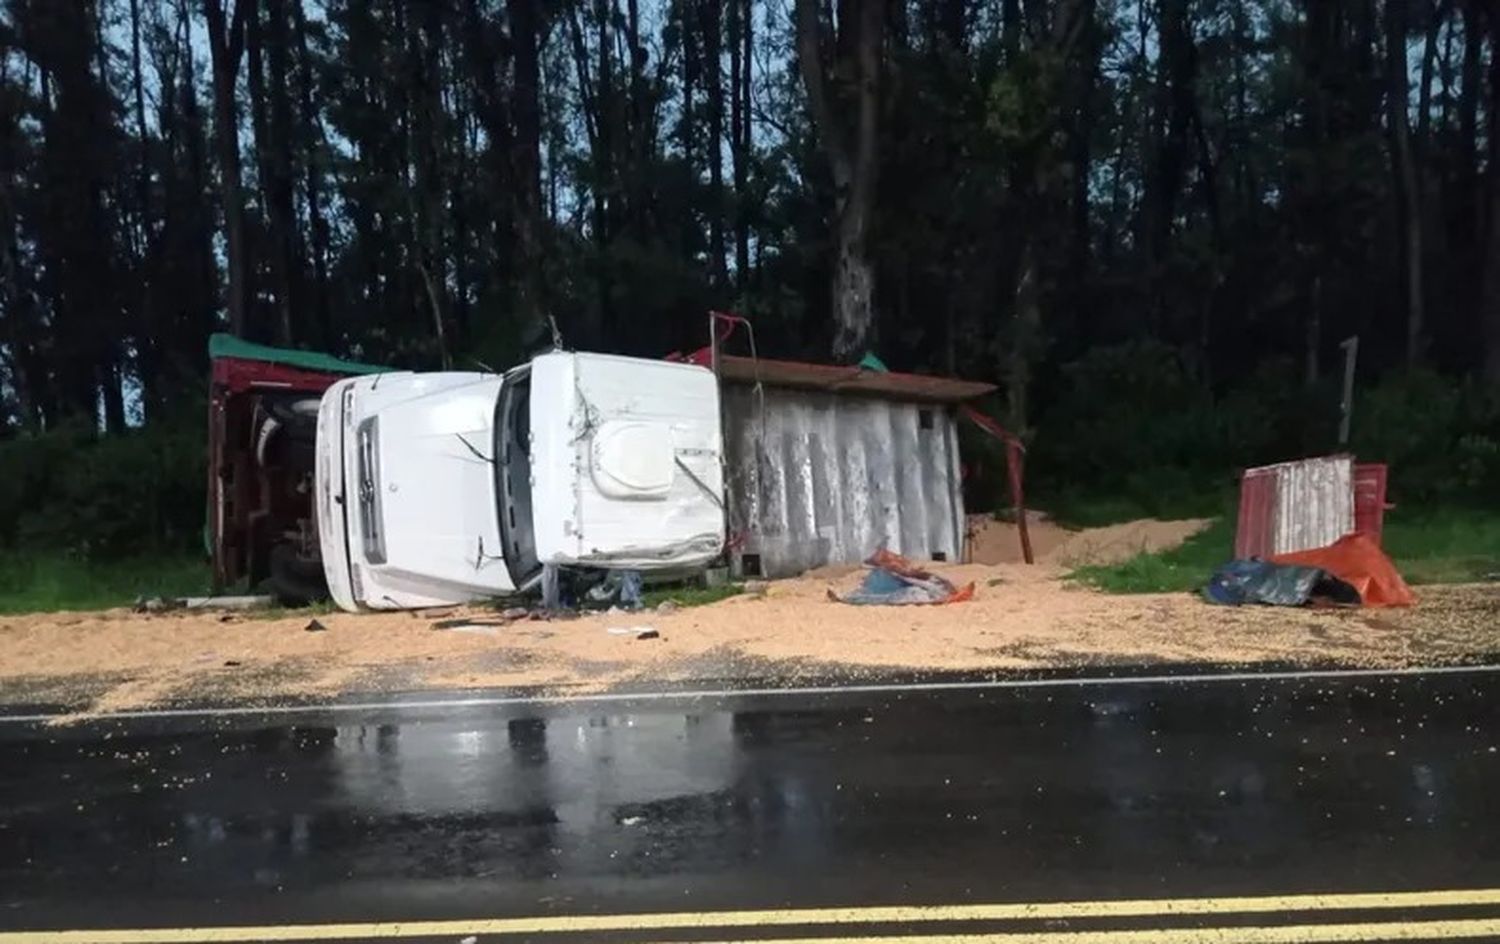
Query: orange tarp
[1357, 560]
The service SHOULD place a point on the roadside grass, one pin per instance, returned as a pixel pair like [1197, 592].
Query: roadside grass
[31, 583]
[689, 595]
[1099, 511]
[1185, 567]
[1445, 545]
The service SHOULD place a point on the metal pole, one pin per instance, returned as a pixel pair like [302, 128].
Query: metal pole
[1346, 406]
[1013, 459]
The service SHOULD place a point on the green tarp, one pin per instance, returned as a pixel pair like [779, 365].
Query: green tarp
[227, 345]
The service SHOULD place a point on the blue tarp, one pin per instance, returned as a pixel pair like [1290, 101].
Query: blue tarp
[1261, 581]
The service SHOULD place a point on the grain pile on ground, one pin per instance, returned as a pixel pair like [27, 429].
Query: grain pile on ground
[998, 542]
[1022, 618]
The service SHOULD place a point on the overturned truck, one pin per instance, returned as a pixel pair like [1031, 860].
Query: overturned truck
[393, 489]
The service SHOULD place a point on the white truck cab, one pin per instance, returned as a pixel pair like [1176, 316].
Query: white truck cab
[441, 488]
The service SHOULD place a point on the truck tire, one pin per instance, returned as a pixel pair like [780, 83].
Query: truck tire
[295, 580]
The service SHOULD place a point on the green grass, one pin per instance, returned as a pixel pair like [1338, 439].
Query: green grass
[31, 583]
[1098, 511]
[1437, 546]
[1185, 567]
[688, 595]
[1445, 545]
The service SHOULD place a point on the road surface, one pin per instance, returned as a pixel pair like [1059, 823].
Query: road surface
[1235, 809]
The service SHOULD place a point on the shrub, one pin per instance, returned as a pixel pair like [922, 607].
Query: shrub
[1440, 437]
[106, 497]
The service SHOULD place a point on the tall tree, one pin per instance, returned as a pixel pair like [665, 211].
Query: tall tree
[1489, 304]
[741, 64]
[526, 29]
[1404, 171]
[226, 47]
[713, 81]
[840, 67]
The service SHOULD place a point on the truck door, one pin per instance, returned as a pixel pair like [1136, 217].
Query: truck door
[626, 462]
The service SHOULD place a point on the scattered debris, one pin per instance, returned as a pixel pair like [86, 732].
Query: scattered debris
[620, 588]
[756, 588]
[517, 613]
[232, 663]
[240, 602]
[632, 820]
[895, 581]
[1258, 581]
[313, 626]
[469, 621]
[1352, 571]
[637, 632]
[667, 606]
[155, 605]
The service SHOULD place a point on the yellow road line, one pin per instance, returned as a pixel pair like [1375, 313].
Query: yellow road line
[901, 914]
[1293, 934]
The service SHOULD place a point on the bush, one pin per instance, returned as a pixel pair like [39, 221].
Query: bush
[96, 498]
[1133, 423]
[1441, 438]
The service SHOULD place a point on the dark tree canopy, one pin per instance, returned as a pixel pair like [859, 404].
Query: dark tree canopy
[994, 188]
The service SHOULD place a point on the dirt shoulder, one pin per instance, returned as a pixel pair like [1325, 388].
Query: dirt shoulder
[1022, 618]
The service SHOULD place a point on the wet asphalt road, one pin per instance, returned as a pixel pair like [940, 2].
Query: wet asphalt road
[1181, 789]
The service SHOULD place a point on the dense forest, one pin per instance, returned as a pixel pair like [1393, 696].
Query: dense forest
[1152, 222]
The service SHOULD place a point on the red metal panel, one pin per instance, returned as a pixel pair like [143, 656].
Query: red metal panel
[1255, 529]
[238, 374]
[1369, 498]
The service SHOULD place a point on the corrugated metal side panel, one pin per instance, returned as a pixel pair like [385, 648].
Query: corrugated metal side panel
[838, 477]
[1314, 503]
[1295, 506]
[1252, 534]
[1369, 498]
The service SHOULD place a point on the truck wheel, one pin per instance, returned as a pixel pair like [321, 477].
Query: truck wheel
[295, 580]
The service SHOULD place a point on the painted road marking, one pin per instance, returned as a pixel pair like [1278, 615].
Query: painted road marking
[1038, 911]
[522, 701]
[1298, 934]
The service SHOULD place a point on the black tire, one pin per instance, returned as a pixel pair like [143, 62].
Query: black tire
[295, 580]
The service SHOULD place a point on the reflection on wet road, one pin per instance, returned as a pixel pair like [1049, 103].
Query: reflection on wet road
[1198, 792]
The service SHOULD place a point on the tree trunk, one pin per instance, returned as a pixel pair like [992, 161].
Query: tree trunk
[1489, 305]
[226, 43]
[713, 80]
[1027, 325]
[1435, 12]
[313, 179]
[146, 330]
[526, 160]
[605, 182]
[281, 206]
[851, 153]
[741, 64]
[1403, 168]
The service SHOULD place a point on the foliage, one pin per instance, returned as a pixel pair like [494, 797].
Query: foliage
[93, 498]
[37, 582]
[1442, 545]
[1151, 223]
[1185, 567]
[687, 595]
[1441, 439]
[1133, 423]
